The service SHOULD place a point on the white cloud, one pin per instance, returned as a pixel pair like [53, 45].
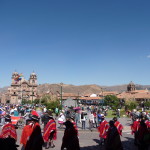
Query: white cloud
[148, 56]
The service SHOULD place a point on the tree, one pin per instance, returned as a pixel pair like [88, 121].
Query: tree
[130, 105]
[147, 104]
[112, 101]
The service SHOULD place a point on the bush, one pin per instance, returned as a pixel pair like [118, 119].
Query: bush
[131, 105]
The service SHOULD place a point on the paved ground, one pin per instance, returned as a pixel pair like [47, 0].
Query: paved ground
[90, 140]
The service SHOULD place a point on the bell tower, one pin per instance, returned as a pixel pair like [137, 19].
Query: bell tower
[33, 79]
[14, 75]
[131, 87]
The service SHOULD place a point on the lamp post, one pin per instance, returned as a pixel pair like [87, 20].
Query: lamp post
[61, 84]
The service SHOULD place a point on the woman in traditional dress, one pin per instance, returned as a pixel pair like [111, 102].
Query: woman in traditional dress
[50, 133]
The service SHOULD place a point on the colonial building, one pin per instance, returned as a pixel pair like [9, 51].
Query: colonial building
[134, 95]
[22, 89]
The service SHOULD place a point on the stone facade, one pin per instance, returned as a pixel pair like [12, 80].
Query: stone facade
[23, 89]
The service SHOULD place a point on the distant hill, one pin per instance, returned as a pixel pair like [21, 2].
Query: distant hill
[81, 89]
[4, 89]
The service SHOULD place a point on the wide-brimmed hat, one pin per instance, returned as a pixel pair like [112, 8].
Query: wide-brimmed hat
[68, 124]
[35, 118]
[8, 117]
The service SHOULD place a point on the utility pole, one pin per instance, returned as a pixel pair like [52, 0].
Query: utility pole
[61, 84]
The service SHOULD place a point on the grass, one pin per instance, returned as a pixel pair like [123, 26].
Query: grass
[111, 113]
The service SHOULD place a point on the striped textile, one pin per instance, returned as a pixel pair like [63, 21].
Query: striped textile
[51, 125]
[119, 127]
[9, 131]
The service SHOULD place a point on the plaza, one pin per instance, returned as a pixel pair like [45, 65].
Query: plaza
[90, 140]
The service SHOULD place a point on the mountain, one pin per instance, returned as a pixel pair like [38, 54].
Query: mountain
[80, 89]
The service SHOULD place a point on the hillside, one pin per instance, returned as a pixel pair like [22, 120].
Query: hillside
[82, 89]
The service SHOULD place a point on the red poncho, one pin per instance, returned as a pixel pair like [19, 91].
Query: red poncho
[27, 131]
[147, 123]
[51, 125]
[34, 113]
[9, 130]
[119, 127]
[135, 126]
[103, 128]
[75, 126]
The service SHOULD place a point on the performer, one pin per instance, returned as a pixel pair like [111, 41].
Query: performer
[113, 141]
[143, 136]
[74, 124]
[26, 133]
[134, 127]
[103, 128]
[70, 139]
[8, 129]
[9, 134]
[50, 133]
[35, 140]
[118, 125]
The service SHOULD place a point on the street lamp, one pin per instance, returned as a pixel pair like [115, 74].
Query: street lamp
[61, 84]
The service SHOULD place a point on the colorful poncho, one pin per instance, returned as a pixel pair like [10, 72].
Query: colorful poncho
[103, 128]
[26, 133]
[9, 131]
[50, 126]
[135, 126]
[119, 127]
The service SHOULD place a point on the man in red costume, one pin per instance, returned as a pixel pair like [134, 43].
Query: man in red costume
[147, 122]
[118, 125]
[50, 133]
[103, 128]
[134, 127]
[27, 131]
[31, 135]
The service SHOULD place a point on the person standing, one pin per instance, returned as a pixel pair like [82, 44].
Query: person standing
[118, 125]
[91, 121]
[83, 120]
[50, 133]
[134, 128]
[35, 141]
[9, 133]
[70, 139]
[113, 141]
[26, 133]
[143, 136]
[103, 128]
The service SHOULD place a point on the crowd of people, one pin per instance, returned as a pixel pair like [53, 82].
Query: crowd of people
[38, 119]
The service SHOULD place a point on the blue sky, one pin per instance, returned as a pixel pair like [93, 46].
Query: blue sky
[104, 42]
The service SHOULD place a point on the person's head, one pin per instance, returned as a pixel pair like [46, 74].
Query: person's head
[111, 123]
[68, 124]
[7, 118]
[35, 118]
[49, 112]
[71, 119]
[142, 123]
[115, 119]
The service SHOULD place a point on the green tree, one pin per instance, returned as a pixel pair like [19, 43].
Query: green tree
[112, 101]
[130, 105]
[147, 104]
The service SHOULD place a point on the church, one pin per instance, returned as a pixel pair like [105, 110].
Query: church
[22, 89]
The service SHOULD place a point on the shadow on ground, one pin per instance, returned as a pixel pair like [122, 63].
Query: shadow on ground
[128, 144]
